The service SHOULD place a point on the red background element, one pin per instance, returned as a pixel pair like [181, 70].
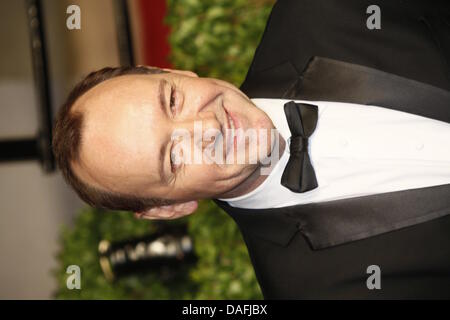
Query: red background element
[155, 33]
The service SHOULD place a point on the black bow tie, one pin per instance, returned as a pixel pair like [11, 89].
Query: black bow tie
[299, 175]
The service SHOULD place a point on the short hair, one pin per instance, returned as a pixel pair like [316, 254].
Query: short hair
[67, 138]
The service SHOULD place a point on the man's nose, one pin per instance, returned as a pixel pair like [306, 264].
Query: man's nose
[202, 129]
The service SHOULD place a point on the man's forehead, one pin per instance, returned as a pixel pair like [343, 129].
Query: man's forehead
[112, 149]
[120, 109]
[114, 179]
[122, 88]
[113, 167]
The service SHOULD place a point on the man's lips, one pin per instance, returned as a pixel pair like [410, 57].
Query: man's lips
[230, 136]
[230, 121]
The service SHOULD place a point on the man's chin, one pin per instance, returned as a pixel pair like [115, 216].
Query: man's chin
[241, 181]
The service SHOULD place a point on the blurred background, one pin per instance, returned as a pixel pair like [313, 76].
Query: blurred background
[44, 227]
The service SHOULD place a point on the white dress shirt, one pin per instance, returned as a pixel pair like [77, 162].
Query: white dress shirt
[357, 150]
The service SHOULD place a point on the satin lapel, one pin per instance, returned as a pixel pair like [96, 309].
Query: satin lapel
[272, 82]
[332, 80]
[332, 223]
[326, 79]
[271, 224]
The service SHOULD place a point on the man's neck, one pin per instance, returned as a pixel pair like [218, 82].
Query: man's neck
[255, 178]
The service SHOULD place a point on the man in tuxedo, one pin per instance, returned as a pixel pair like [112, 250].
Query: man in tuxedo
[356, 205]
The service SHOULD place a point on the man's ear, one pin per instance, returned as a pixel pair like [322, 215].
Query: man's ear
[173, 211]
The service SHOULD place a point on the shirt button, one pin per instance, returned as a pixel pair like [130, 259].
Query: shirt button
[420, 146]
[343, 143]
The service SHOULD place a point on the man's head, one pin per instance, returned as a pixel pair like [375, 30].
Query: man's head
[113, 139]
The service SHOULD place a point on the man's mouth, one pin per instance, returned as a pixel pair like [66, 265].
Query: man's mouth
[231, 124]
[229, 134]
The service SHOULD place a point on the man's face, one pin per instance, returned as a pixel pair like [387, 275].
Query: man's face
[127, 135]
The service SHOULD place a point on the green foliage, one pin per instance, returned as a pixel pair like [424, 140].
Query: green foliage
[80, 248]
[223, 270]
[215, 38]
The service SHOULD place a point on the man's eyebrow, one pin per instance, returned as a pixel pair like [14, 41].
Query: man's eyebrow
[162, 174]
[162, 96]
[162, 151]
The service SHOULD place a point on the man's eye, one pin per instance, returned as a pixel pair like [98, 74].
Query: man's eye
[176, 157]
[172, 100]
[173, 162]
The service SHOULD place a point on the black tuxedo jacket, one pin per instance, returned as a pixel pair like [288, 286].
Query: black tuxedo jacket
[322, 50]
